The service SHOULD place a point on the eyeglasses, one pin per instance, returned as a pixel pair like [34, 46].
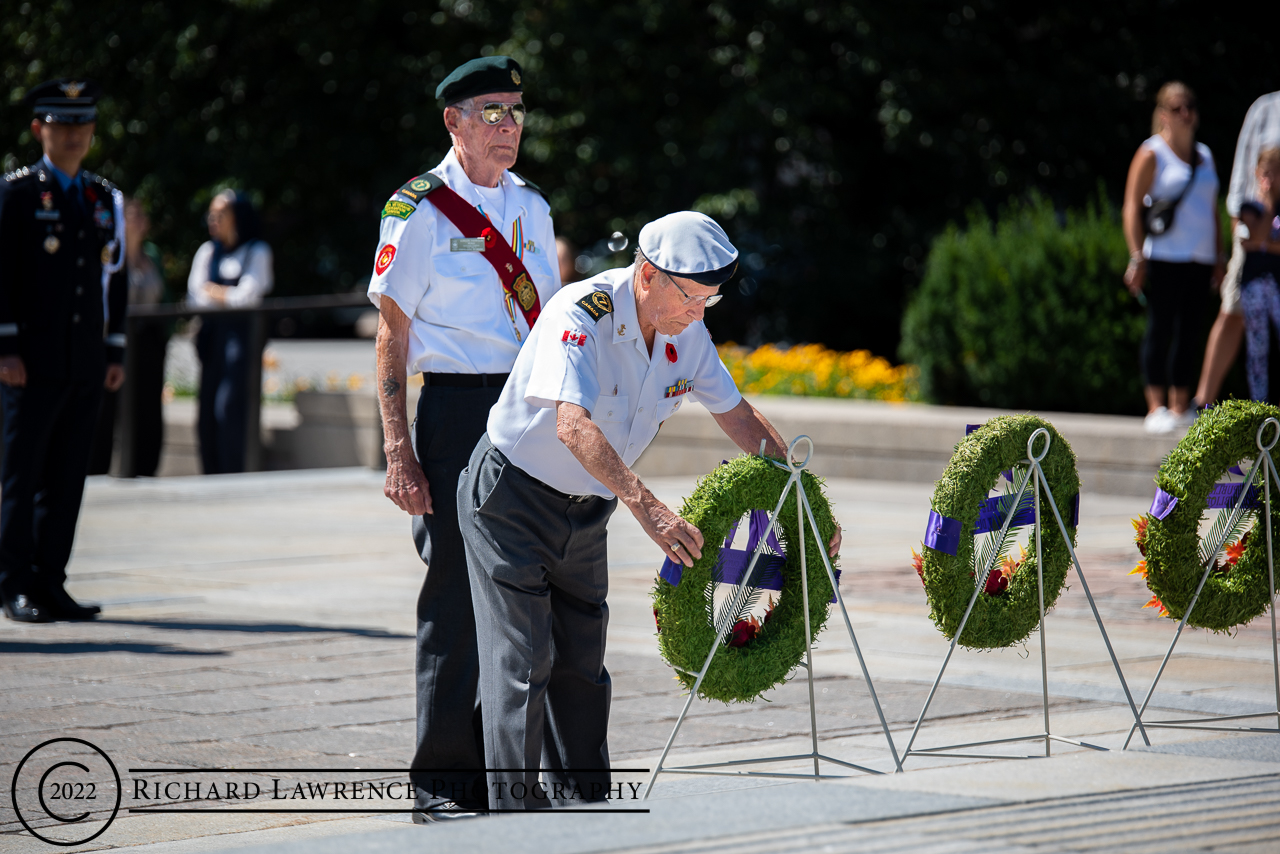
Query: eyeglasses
[494, 113]
[688, 300]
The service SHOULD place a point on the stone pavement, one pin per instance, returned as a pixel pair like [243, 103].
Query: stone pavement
[263, 623]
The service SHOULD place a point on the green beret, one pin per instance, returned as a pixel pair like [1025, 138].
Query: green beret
[481, 77]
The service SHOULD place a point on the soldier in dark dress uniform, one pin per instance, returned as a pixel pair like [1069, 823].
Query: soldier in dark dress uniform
[63, 295]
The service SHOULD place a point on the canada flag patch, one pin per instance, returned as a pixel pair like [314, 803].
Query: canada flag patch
[570, 337]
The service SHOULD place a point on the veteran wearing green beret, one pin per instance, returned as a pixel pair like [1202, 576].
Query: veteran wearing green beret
[466, 259]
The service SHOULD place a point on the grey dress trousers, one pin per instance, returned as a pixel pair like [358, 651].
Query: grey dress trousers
[539, 576]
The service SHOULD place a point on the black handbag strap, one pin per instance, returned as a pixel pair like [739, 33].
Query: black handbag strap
[1195, 161]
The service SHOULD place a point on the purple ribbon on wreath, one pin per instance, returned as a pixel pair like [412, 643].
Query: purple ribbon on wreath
[1223, 496]
[732, 563]
[942, 533]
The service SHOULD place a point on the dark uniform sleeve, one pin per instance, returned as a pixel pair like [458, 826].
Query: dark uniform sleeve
[11, 257]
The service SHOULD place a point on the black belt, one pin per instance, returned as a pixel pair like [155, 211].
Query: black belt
[465, 380]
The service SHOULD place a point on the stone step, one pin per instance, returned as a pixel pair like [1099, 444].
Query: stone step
[852, 438]
[907, 442]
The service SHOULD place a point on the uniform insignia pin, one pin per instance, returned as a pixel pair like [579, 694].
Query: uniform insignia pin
[622, 330]
[51, 244]
[106, 255]
[515, 77]
[72, 89]
[46, 199]
[510, 269]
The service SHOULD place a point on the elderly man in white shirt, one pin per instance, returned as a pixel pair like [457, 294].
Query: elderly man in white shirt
[609, 361]
[1261, 130]
[465, 260]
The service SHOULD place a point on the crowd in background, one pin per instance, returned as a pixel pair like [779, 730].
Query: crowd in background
[1173, 228]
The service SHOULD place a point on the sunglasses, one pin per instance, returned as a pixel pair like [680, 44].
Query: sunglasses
[494, 113]
[688, 300]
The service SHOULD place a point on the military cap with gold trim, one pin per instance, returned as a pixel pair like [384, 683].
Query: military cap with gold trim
[67, 100]
[482, 76]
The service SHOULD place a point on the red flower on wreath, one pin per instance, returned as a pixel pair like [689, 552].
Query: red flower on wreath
[1140, 533]
[1236, 550]
[917, 561]
[1155, 602]
[745, 631]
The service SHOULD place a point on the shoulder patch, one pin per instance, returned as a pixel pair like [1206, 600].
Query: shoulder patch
[398, 209]
[417, 189]
[531, 185]
[596, 304]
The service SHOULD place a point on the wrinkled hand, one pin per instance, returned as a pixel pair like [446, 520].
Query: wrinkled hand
[833, 547]
[1135, 275]
[12, 371]
[407, 486]
[679, 540]
[115, 378]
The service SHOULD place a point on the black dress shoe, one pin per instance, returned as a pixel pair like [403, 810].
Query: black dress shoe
[23, 609]
[62, 607]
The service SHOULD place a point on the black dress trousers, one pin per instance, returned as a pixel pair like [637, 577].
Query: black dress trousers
[448, 764]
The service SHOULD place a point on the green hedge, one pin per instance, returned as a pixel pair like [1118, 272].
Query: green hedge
[1029, 312]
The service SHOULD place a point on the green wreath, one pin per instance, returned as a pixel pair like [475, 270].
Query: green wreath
[1220, 438]
[685, 634]
[1006, 618]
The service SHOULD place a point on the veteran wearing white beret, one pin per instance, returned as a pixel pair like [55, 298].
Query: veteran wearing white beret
[609, 360]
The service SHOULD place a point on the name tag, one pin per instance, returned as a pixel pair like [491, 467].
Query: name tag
[466, 244]
[51, 215]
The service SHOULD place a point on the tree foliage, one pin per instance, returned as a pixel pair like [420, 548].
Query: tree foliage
[1027, 313]
[833, 139]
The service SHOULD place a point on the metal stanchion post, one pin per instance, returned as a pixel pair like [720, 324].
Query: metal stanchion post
[129, 400]
[253, 393]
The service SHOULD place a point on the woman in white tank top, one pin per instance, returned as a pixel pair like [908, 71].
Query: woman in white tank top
[1177, 267]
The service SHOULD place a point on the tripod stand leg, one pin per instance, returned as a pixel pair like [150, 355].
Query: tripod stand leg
[1097, 618]
[853, 639]
[1044, 652]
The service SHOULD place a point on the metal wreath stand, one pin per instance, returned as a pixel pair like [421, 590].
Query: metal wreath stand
[722, 626]
[1264, 457]
[1033, 468]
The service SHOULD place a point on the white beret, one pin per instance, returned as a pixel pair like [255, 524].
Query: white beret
[689, 245]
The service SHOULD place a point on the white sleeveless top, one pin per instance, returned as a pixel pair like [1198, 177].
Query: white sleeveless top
[1192, 238]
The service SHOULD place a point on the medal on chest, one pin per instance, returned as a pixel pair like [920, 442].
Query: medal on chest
[51, 244]
[101, 216]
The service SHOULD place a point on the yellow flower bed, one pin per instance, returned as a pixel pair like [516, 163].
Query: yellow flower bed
[813, 370]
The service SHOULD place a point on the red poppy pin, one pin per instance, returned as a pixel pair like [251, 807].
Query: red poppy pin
[671, 352]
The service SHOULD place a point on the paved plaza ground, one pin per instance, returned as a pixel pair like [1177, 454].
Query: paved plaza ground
[266, 621]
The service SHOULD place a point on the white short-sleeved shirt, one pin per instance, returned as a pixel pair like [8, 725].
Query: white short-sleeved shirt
[1193, 237]
[249, 265]
[461, 321]
[587, 349]
[1260, 131]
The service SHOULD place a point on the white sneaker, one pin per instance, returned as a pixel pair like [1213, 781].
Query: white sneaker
[1185, 418]
[1159, 420]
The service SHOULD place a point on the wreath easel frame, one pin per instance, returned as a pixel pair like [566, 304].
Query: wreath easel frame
[799, 481]
[1231, 423]
[1039, 445]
